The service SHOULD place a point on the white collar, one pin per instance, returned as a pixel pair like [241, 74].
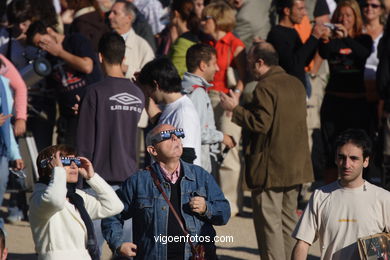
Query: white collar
[83, 11]
[130, 34]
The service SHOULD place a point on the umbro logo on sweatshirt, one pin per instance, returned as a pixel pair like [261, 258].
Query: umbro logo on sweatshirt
[125, 101]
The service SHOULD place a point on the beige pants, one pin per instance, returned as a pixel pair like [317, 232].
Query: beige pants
[229, 177]
[275, 217]
[318, 85]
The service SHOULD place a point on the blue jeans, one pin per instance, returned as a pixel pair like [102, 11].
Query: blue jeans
[4, 172]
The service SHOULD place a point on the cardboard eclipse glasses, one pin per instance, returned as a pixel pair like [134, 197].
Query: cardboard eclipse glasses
[165, 135]
[66, 161]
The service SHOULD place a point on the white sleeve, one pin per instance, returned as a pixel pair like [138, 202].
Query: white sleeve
[191, 125]
[106, 204]
[307, 226]
[52, 199]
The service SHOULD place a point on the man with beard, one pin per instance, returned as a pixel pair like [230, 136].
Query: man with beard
[293, 54]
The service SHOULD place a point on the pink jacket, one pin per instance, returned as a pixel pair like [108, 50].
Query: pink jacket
[18, 86]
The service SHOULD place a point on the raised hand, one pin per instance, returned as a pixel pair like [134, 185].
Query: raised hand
[86, 169]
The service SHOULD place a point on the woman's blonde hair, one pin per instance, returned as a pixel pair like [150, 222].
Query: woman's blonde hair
[383, 17]
[358, 26]
[224, 16]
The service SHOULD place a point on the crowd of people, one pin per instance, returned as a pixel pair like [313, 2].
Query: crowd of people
[152, 116]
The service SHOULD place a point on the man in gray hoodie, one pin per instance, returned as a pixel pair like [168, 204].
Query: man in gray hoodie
[201, 63]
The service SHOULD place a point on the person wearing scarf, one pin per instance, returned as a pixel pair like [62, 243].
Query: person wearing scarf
[61, 215]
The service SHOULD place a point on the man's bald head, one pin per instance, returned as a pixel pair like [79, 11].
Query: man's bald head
[167, 149]
[157, 129]
[265, 51]
[266, 46]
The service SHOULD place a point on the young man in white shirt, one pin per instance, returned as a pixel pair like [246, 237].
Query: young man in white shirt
[347, 209]
[161, 83]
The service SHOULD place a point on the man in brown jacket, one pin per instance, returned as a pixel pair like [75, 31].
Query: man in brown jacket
[276, 149]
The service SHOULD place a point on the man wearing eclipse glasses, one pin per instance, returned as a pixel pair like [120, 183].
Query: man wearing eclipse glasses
[192, 192]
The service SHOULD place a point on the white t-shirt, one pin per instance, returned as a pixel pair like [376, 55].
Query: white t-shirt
[332, 6]
[372, 61]
[339, 216]
[182, 114]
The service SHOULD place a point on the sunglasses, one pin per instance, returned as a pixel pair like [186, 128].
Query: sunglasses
[66, 161]
[205, 18]
[372, 5]
[166, 135]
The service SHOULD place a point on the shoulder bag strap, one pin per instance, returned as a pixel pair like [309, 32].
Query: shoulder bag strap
[158, 185]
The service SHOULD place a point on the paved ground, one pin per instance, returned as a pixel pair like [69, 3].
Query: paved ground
[244, 245]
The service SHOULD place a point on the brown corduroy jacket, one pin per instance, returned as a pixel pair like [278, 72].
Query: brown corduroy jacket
[275, 136]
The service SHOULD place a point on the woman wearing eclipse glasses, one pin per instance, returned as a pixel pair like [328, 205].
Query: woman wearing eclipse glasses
[61, 215]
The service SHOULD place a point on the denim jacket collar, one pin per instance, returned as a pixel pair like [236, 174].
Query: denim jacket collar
[184, 169]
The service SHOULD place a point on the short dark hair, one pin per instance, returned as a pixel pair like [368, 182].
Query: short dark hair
[65, 150]
[163, 72]
[197, 53]
[33, 29]
[3, 11]
[264, 51]
[112, 47]
[281, 4]
[19, 11]
[357, 137]
[186, 10]
[129, 9]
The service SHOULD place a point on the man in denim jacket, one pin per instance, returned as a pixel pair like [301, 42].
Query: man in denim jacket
[193, 193]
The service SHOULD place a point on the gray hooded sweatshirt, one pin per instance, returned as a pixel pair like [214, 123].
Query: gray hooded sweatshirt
[195, 88]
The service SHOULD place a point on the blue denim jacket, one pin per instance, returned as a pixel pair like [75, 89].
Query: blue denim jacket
[145, 204]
